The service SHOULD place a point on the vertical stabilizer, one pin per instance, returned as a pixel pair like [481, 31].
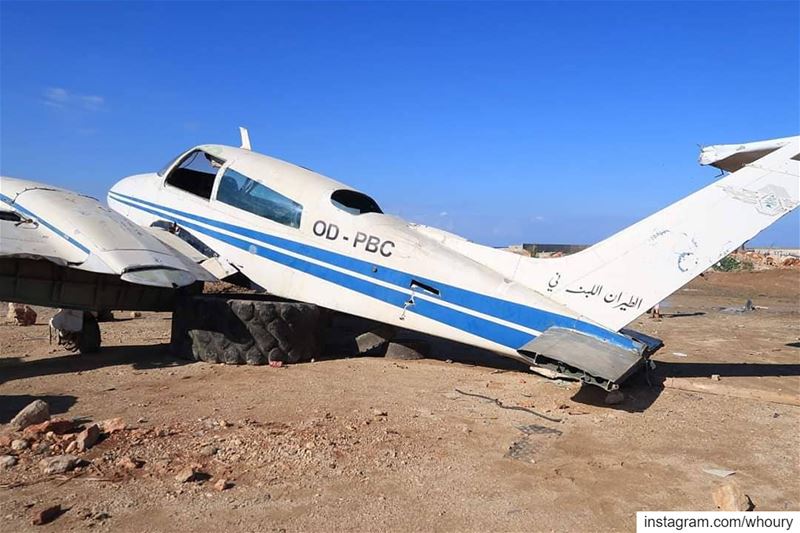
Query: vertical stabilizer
[618, 279]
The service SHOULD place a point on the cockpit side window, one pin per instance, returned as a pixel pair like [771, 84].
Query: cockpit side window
[354, 202]
[195, 174]
[249, 195]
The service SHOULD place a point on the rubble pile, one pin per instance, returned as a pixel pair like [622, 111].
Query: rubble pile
[223, 287]
[791, 262]
[205, 454]
[35, 441]
[766, 262]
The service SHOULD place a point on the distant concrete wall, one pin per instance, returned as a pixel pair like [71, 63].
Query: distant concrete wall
[777, 252]
[544, 250]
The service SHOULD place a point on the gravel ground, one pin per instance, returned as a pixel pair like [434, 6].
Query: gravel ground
[371, 444]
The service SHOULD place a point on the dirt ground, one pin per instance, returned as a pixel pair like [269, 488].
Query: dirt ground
[372, 444]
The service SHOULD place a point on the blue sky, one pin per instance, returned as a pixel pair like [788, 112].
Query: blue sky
[504, 122]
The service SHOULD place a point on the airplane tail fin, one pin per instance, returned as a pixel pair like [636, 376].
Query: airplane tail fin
[616, 280]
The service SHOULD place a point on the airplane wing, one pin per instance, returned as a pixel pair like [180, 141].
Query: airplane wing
[38, 221]
[22, 237]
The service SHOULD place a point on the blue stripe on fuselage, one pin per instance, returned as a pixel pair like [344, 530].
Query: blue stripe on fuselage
[487, 329]
[502, 309]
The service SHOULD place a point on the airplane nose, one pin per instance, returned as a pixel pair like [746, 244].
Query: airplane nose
[132, 186]
[125, 185]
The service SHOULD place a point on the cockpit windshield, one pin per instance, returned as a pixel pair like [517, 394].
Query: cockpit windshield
[354, 202]
[166, 167]
[196, 173]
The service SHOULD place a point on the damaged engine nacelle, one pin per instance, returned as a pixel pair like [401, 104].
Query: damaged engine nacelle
[75, 330]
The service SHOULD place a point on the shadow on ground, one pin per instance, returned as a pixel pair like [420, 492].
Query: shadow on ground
[706, 370]
[438, 350]
[140, 357]
[642, 389]
[343, 330]
[682, 315]
[444, 350]
[638, 395]
[10, 405]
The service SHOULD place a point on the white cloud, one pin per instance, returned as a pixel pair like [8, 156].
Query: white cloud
[443, 214]
[93, 102]
[62, 98]
[56, 97]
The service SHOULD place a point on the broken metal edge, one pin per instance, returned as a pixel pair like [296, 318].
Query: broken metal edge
[587, 358]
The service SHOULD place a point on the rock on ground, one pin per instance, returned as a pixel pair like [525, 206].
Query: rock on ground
[57, 426]
[88, 437]
[375, 338]
[41, 447]
[129, 463]
[45, 515]
[20, 444]
[730, 497]
[614, 397]
[21, 315]
[186, 475]
[208, 450]
[406, 350]
[58, 464]
[112, 425]
[222, 484]
[35, 412]
[7, 461]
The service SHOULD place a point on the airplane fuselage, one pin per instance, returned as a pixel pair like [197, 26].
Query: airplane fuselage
[336, 249]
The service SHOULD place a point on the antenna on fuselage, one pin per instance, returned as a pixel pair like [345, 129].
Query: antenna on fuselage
[245, 138]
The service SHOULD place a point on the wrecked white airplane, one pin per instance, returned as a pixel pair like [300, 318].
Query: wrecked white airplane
[306, 237]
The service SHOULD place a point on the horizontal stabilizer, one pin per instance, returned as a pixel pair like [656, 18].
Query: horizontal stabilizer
[585, 354]
[651, 343]
[732, 157]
